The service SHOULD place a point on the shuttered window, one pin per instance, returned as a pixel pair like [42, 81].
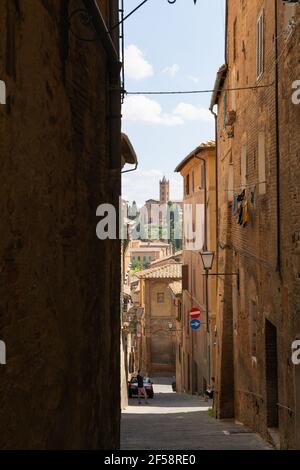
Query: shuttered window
[185, 277]
[187, 185]
[234, 40]
[225, 109]
[260, 46]
[262, 162]
[202, 176]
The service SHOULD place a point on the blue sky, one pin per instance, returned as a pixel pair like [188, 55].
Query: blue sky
[169, 47]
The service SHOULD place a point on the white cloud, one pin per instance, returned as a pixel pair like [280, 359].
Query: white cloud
[189, 112]
[136, 66]
[193, 78]
[171, 71]
[141, 108]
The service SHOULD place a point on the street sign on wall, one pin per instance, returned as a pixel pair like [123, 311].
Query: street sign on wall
[195, 324]
[195, 312]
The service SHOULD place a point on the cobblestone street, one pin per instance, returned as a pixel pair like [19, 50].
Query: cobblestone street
[173, 421]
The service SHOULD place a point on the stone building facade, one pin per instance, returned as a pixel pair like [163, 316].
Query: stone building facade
[142, 253]
[60, 285]
[258, 219]
[196, 349]
[158, 323]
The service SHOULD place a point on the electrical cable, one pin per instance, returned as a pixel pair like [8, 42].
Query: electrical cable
[194, 92]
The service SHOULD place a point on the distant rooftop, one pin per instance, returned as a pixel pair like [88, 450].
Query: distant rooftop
[170, 271]
[155, 244]
[176, 287]
[166, 258]
[210, 144]
[144, 249]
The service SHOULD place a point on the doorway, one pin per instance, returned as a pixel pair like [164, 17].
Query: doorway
[271, 375]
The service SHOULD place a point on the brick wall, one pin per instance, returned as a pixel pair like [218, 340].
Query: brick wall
[198, 347]
[289, 120]
[257, 249]
[59, 302]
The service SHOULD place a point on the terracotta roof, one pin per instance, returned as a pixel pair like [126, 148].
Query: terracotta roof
[168, 271]
[166, 258]
[152, 200]
[157, 244]
[145, 249]
[176, 287]
[128, 152]
[204, 146]
[219, 83]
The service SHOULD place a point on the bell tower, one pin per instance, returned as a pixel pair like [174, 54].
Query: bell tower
[164, 191]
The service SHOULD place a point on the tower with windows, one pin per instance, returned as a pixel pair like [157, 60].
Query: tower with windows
[164, 191]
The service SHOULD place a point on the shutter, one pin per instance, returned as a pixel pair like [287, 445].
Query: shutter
[257, 49]
[260, 46]
[262, 38]
[185, 277]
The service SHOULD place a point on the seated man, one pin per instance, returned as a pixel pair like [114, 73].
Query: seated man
[209, 392]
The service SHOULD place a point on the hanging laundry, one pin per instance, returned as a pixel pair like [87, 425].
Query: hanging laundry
[246, 215]
[241, 196]
[241, 211]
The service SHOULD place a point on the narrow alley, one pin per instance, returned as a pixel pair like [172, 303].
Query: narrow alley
[177, 421]
[150, 236]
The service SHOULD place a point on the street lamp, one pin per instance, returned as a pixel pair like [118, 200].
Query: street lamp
[207, 259]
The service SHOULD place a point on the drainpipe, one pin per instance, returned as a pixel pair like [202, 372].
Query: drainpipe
[102, 31]
[226, 31]
[278, 192]
[132, 169]
[217, 188]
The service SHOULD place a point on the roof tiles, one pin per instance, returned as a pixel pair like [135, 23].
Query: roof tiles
[168, 271]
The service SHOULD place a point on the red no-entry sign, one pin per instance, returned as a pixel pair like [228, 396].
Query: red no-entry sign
[195, 312]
